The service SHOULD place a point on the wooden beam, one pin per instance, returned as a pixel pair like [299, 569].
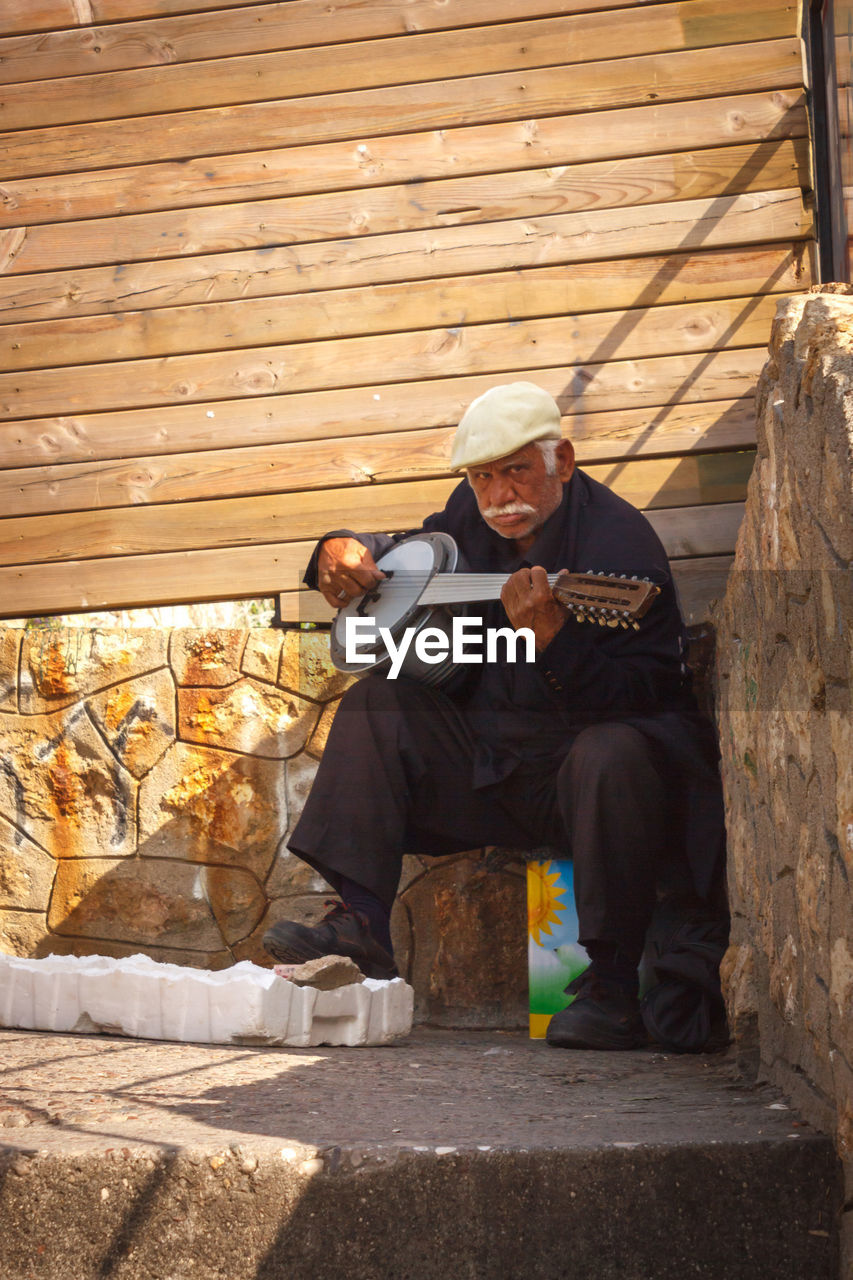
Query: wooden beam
[396, 308]
[339, 166]
[369, 113]
[362, 460]
[701, 584]
[263, 570]
[271, 28]
[591, 397]
[561, 238]
[257, 76]
[430, 353]
[450, 202]
[698, 531]
[311, 17]
[140, 530]
[589, 241]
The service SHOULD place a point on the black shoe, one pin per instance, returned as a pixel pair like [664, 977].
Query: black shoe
[341, 932]
[603, 1015]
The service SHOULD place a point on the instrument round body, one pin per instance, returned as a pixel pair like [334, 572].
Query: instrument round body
[395, 605]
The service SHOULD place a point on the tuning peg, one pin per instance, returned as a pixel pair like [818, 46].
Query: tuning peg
[636, 626]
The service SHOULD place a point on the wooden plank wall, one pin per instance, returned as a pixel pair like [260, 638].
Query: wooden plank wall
[256, 258]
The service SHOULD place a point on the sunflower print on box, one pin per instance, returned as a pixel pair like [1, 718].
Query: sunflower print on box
[554, 955]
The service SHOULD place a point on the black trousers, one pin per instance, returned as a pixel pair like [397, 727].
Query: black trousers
[397, 777]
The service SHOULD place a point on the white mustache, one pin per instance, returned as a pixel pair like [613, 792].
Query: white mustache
[510, 509]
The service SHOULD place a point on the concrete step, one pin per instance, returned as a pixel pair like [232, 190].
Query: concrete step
[450, 1154]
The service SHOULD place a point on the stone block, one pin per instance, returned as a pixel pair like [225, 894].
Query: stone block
[317, 742]
[206, 658]
[10, 646]
[469, 945]
[784, 661]
[26, 871]
[61, 785]
[841, 986]
[300, 772]
[215, 807]
[291, 876]
[21, 932]
[135, 900]
[236, 900]
[326, 973]
[54, 944]
[737, 973]
[248, 717]
[59, 668]
[307, 669]
[262, 654]
[137, 718]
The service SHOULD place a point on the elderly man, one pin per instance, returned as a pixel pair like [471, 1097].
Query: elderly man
[595, 748]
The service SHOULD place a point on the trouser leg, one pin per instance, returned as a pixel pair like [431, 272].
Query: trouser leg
[612, 798]
[397, 777]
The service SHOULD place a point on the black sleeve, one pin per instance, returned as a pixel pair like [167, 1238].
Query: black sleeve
[591, 670]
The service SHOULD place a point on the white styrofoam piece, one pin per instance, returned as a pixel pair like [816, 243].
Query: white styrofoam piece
[245, 1004]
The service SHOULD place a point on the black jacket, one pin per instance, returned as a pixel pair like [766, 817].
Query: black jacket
[531, 712]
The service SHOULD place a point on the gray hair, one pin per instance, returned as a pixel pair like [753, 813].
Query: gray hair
[548, 449]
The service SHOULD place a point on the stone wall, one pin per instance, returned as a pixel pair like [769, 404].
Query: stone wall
[785, 634]
[148, 781]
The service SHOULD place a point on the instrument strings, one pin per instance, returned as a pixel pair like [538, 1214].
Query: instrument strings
[449, 588]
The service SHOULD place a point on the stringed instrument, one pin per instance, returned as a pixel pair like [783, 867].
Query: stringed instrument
[421, 586]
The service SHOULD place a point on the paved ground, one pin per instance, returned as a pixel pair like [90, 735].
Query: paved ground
[128, 1158]
[437, 1088]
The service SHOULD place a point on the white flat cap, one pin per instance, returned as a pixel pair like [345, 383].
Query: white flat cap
[503, 420]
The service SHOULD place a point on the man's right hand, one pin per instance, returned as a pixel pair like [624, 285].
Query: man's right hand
[345, 569]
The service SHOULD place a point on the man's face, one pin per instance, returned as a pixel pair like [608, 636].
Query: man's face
[516, 495]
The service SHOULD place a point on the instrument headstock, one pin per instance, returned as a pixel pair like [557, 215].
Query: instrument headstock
[608, 600]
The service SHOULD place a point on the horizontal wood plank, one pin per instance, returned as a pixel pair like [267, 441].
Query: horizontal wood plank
[431, 353]
[264, 570]
[243, 572]
[563, 238]
[468, 150]
[370, 113]
[698, 531]
[367, 18]
[591, 398]
[367, 459]
[260, 274]
[43, 15]
[274, 27]
[292, 73]
[673, 277]
[139, 530]
[701, 585]
[474, 299]
[449, 202]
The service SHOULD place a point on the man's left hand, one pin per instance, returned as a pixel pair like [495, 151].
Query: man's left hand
[529, 602]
